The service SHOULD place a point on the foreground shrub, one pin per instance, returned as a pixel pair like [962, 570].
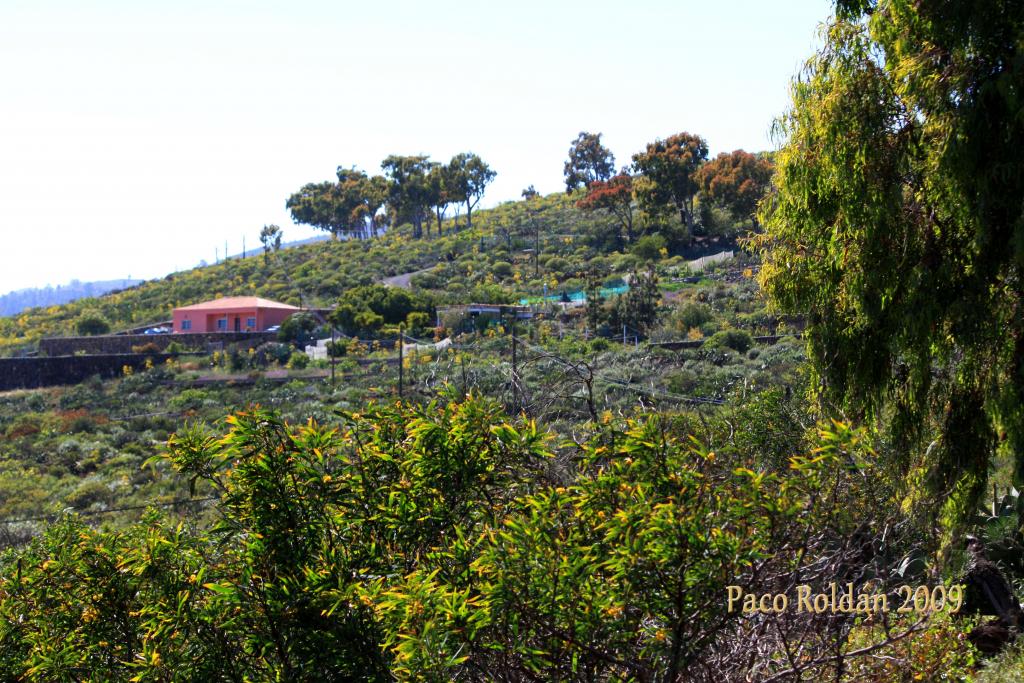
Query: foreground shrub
[444, 542]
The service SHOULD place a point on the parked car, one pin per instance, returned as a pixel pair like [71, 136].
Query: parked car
[158, 330]
[273, 328]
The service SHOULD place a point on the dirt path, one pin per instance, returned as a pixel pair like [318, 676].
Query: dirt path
[403, 279]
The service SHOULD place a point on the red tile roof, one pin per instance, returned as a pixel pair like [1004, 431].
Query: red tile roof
[236, 302]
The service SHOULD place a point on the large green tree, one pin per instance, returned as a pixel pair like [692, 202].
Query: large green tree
[409, 192]
[361, 198]
[440, 181]
[351, 206]
[589, 161]
[468, 178]
[669, 170]
[317, 204]
[897, 229]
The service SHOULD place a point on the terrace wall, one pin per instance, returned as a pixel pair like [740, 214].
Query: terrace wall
[31, 373]
[124, 343]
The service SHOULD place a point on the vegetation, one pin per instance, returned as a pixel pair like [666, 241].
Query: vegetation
[589, 162]
[434, 542]
[669, 169]
[736, 182]
[577, 493]
[514, 250]
[92, 324]
[897, 229]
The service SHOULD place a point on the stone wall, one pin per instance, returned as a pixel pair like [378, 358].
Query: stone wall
[697, 343]
[31, 373]
[124, 343]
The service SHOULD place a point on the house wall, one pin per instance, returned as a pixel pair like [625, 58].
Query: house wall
[273, 316]
[206, 320]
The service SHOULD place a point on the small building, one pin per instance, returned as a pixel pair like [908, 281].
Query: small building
[459, 316]
[231, 314]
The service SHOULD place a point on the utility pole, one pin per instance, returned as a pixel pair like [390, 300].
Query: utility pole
[401, 360]
[243, 247]
[515, 369]
[536, 247]
[462, 363]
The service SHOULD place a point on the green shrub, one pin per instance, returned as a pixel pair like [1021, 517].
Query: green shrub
[368, 322]
[91, 323]
[298, 329]
[416, 322]
[298, 361]
[501, 269]
[648, 247]
[737, 340]
[691, 315]
[557, 264]
[189, 399]
[89, 493]
[176, 347]
[337, 348]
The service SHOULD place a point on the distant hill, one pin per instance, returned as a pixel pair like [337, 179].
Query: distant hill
[19, 300]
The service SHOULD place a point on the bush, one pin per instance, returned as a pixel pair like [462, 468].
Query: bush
[298, 361]
[87, 494]
[557, 264]
[416, 322]
[91, 324]
[368, 321]
[737, 340]
[338, 348]
[298, 329]
[693, 315]
[189, 399]
[148, 347]
[176, 347]
[428, 280]
[501, 269]
[273, 352]
[648, 247]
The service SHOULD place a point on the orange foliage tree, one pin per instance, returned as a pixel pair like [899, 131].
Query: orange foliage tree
[615, 196]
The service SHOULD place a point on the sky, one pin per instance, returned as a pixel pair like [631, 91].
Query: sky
[137, 137]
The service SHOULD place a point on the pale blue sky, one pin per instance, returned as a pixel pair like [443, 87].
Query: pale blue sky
[137, 136]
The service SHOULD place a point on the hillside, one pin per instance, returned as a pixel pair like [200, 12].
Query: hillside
[491, 262]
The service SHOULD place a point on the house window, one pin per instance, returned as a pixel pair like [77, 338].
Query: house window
[222, 324]
[186, 324]
[250, 322]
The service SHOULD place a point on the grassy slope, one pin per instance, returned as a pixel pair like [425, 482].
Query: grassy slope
[320, 272]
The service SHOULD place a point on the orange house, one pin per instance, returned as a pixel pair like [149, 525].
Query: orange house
[231, 314]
